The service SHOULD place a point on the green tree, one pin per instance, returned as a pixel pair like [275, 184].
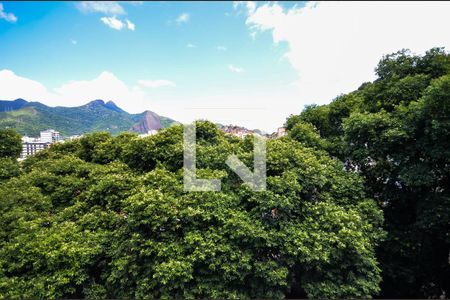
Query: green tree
[107, 217]
[10, 143]
[9, 167]
[307, 134]
[395, 132]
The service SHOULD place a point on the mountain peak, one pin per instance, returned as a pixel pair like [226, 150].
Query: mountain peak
[108, 105]
[112, 106]
[96, 102]
[150, 121]
[20, 100]
[149, 112]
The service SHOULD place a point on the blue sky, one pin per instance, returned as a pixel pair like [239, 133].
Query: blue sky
[245, 63]
[40, 45]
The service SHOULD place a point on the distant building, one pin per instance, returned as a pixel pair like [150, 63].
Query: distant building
[238, 131]
[281, 132]
[50, 136]
[31, 145]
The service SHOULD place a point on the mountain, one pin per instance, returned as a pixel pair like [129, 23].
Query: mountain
[150, 121]
[29, 118]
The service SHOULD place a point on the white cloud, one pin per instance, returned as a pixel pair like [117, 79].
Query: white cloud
[111, 9]
[156, 83]
[335, 46]
[117, 24]
[105, 7]
[113, 22]
[74, 93]
[9, 17]
[14, 87]
[221, 48]
[106, 86]
[130, 25]
[191, 45]
[183, 18]
[235, 69]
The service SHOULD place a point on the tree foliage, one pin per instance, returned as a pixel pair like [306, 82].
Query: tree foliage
[395, 132]
[107, 217]
[10, 143]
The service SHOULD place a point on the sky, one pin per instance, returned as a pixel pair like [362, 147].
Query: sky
[244, 63]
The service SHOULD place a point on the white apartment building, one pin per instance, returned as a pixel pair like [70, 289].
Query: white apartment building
[30, 148]
[31, 145]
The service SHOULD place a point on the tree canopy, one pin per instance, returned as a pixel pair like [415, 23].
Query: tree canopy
[107, 217]
[395, 132]
[10, 143]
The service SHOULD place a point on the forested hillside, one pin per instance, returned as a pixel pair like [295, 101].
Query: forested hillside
[395, 132]
[29, 118]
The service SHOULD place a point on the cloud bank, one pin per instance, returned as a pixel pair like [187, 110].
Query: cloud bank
[335, 46]
[106, 86]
